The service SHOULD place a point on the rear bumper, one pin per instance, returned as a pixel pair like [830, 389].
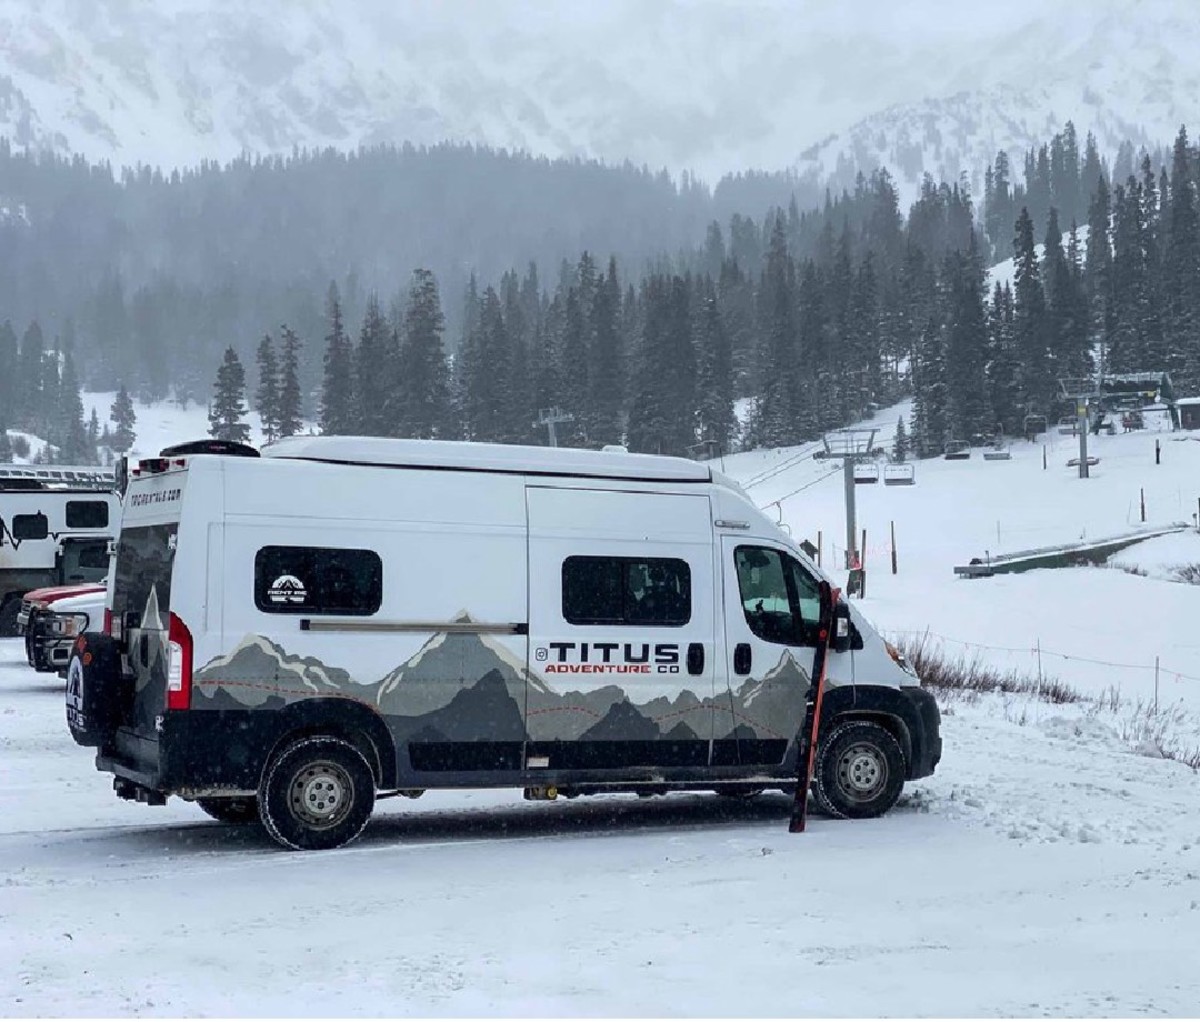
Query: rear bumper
[193, 754]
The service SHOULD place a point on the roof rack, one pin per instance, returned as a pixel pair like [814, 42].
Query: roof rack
[62, 477]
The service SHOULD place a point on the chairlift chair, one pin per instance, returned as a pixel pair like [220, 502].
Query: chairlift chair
[899, 475]
[1034, 424]
[999, 451]
[866, 472]
[956, 450]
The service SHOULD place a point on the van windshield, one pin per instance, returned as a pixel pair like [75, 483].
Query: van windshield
[145, 557]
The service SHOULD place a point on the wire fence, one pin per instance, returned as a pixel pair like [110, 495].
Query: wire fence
[1038, 650]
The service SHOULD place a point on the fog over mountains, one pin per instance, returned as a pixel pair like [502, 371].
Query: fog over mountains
[714, 86]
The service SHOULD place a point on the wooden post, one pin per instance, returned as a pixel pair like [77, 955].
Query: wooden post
[893, 548]
[1142, 491]
[1043, 457]
[1157, 453]
[862, 556]
[820, 543]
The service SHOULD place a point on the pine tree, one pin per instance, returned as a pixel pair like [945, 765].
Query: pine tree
[604, 360]
[31, 378]
[776, 421]
[124, 419]
[1131, 291]
[225, 417]
[423, 375]
[72, 434]
[1098, 270]
[338, 410]
[900, 446]
[290, 410]
[573, 367]
[1035, 385]
[8, 374]
[1181, 284]
[266, 394]
[929, 391]
[714, 373]
[376, 371]
[968, 416]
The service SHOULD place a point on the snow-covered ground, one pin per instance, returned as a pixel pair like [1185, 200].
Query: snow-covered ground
[1050, 866]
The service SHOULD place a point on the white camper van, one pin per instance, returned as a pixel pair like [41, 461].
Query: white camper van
[55, 525]
[288, 636]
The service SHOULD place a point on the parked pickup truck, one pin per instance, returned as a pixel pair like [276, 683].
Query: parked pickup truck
[51, 618]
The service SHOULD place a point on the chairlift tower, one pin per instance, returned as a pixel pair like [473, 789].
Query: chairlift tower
[850, 446]
[1083, 392]
[551, 417]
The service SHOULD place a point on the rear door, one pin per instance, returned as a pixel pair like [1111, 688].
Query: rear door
[143, 570]
[622, 621]
[770, 613]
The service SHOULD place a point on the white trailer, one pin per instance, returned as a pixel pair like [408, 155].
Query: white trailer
[55, 525]
[292, 634]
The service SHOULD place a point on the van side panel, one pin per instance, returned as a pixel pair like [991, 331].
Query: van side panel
[622, 629]
[434, 647]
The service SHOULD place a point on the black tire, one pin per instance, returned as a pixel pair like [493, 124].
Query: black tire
[239, 809]
[92, 691]
[10, 607]
[317, 793]
[859, 772]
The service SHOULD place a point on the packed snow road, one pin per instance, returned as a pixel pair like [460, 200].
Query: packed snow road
[1044, 870]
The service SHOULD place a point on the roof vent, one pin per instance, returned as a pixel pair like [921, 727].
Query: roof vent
[229, 447]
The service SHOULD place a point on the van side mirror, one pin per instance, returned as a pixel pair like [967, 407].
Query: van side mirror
[121, 475]
[845, 635]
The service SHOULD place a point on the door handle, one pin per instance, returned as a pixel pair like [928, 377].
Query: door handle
[741, 658]
[695, 658]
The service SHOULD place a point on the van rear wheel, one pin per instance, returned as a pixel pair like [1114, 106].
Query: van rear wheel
[859, 772]
[317, 793]
[230, 810]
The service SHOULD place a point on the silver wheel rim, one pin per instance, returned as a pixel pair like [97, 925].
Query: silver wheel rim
[321, 794]
[862, 772]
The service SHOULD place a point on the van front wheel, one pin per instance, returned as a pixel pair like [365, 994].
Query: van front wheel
[859, 772]
[317, 793]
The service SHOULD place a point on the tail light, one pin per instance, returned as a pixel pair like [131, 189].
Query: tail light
[179, 665]
[107, 622]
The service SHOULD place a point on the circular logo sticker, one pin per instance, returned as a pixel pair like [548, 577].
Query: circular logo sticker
[287, 589]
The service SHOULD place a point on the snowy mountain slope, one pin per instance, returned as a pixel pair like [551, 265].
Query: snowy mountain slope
[711, 85]
[963, 509]
[1128, 73]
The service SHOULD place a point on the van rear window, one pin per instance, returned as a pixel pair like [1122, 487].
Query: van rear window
[655, 591]
[145, 561]
[317, 580]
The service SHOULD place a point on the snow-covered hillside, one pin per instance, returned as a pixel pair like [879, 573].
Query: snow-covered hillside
[713, 85]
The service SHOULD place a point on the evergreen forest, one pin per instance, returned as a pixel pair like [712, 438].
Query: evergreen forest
[336, 289]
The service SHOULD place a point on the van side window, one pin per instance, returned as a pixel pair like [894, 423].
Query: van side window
[646, 591]
[317, 580]
[87, 514]
[779, 598]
